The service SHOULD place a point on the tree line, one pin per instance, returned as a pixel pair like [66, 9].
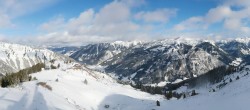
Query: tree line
[20, 76]
[213, 76]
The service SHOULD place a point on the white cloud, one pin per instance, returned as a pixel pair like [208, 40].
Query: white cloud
[114, 12]
[114, 21]
[217, 14]
[159, 15]
[55, 24]
[85, 18]
[133, 3]
[5, 21]
[3, 38]
[103, 23]
[191, 23]
[10, 9]
[237, 3]
[232, 24]
[16, 8]
[232, 19]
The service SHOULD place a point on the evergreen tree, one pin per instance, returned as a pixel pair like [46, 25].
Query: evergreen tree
[237, 77]
[85, 82]
[58, 66]
[20, 76]
[157, 103]
[193, 93]
[169, 95]
[213, 90]
[184, 96]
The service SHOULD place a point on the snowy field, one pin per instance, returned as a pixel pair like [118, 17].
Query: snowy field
[70, 91]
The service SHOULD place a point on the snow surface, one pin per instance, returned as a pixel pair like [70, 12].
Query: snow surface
[71, 93]
[14, 57]
[236, 62]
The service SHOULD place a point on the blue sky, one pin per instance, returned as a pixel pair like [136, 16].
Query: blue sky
[79, 22]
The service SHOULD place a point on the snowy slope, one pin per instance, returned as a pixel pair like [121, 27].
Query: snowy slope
[98, 53]
[166, 60]
[14, 57]
[71, 93]
[64, 50]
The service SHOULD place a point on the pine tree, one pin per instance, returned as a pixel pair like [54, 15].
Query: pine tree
[184, 96]
[34, 78]
[20, 76]
[85, 82]
[158, 103]
[169, 95]
[58, 66]
[193, 93]
[213, 90]
[237, 77]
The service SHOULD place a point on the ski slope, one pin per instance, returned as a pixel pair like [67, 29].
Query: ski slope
[71, 92]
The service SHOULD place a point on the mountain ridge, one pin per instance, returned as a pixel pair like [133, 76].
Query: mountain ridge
[163, 60]
[14, 57]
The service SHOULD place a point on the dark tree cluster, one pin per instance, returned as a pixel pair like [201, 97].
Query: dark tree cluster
[149, 89]
[20, 76]
[171, 94]
[214, 76]
[53, 67]
[193, 93]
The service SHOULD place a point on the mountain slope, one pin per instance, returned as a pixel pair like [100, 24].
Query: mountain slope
[167, 60]
[70, 91]
[14, 57]
[97, 53]
[65, 50]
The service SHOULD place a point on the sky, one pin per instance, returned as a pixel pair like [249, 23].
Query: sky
[79, 22]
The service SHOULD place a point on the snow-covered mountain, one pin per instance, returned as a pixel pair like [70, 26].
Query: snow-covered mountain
[98, 53]
[14, 57]
[74, 87]
[167, 60]
[64, 50]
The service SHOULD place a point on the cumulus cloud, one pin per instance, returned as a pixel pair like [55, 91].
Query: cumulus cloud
[159, 15]
[114, 12]
[191, 23]
[217, 14]
[114, 21]
[233, 14]
[85, 18]
[54, 24]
